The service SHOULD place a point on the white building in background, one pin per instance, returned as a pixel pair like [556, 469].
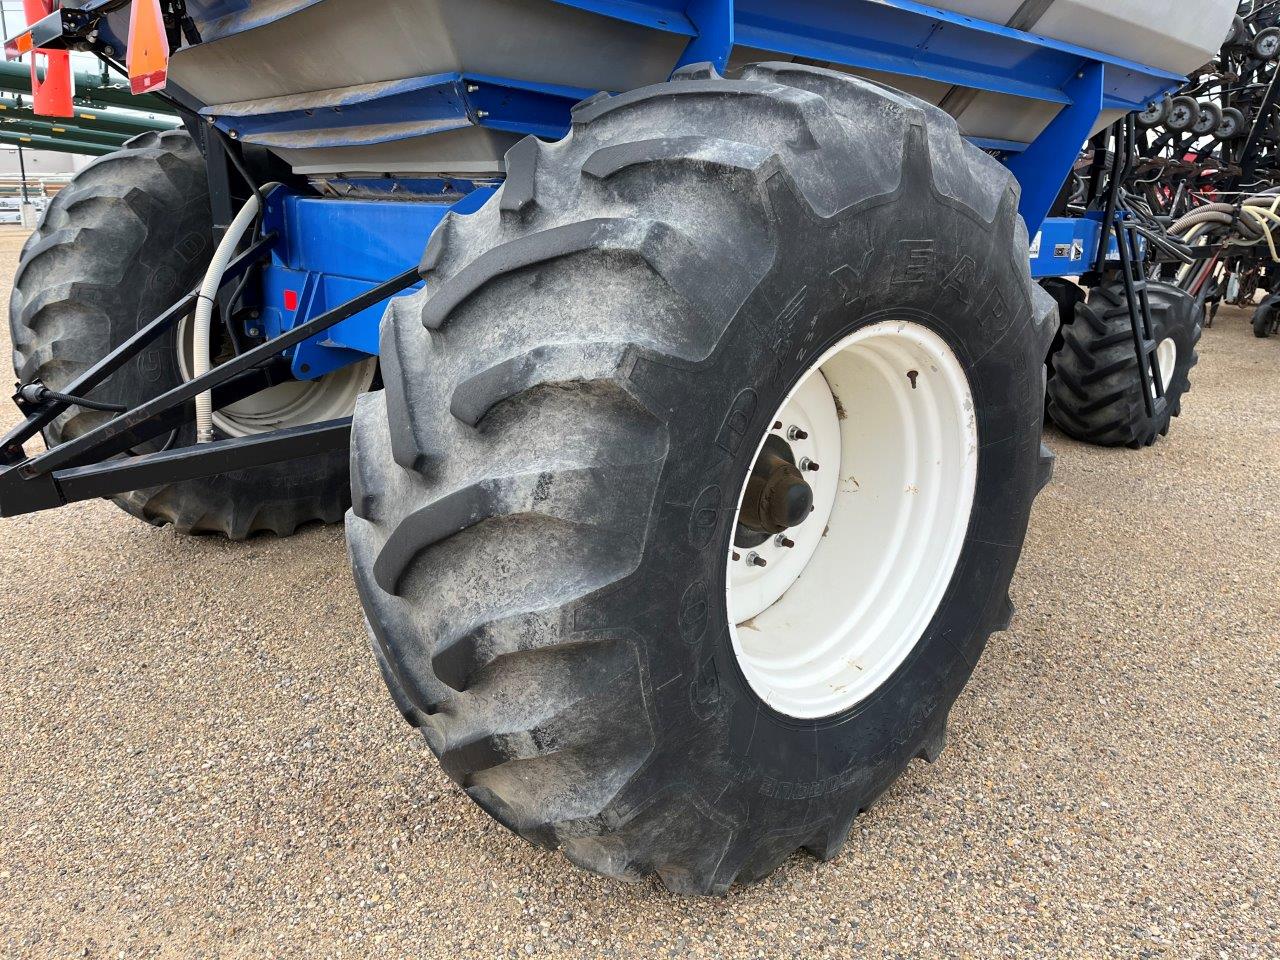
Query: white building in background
[40, 163]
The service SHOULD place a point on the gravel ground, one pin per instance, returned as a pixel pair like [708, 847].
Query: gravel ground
[197, 756]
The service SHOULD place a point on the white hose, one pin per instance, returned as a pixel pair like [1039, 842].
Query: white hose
[204, 309]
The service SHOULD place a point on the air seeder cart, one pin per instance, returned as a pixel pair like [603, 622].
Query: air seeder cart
[695, 352]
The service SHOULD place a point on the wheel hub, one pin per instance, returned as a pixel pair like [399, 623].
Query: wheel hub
[777, 496]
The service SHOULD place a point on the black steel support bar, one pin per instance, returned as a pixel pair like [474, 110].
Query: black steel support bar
[1261, 126]
[113, 361]
[202, 460]
[1135, 287]
[171, 466]
[237, 388]
[84, 445]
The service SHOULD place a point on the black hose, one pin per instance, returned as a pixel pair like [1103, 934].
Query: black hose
[38, 393]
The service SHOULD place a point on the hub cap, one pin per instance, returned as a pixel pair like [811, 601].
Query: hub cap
[881, 435]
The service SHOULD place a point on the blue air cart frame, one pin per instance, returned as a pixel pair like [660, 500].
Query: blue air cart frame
[328, 263]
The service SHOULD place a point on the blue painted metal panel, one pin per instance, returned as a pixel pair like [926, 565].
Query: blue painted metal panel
[329, 251]
[1043, 167]
[541, 109]
[362, 239]
[713, 20]
[899, 36]
[1065, 247]
[418, 106]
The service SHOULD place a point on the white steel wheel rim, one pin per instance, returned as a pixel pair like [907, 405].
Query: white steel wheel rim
[294, 403]
[890, 421]
[1167, 358]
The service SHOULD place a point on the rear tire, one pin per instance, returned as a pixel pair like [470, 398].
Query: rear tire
[544, 497]
[126, 238]
[1095, 392]
[1266, 319]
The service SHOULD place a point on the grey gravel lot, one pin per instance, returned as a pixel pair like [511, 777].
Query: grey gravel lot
[197, 756]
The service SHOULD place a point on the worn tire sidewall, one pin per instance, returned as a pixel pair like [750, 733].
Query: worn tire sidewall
[747, 759]
[156, 271]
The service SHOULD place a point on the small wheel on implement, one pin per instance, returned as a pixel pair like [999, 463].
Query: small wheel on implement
[1155, 114]
[1184, 114]
[1266, 44]
[1210, 119]
[1234, 124]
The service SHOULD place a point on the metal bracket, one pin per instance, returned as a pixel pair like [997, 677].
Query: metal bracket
[1044, 166]
[77, 469]
[713, 19]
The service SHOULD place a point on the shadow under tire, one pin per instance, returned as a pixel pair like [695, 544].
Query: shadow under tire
[544, 496]
[125, 239]
[1095, 390]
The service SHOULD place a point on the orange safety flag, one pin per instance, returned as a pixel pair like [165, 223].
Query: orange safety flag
[50, 95]
[148, 55]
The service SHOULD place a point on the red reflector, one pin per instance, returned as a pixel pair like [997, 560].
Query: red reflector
[148, 52]
[291, 299]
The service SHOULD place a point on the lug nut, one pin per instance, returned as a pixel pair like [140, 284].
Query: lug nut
[783, 540]
[795, 433]
[755, 560]
[807, 464]
[736, 556]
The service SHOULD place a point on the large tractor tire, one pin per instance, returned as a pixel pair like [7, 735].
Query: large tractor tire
[704, 463]
[1095, 388]
[126, 238]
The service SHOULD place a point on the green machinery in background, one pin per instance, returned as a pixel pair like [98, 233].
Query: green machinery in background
[99, 125]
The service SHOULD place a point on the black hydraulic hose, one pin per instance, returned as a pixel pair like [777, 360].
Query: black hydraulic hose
[39, 393]
[1167, 246]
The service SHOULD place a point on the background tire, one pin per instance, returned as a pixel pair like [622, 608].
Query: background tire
[126, 238]
[1265, 320]
[1095, 392]
[544, 496]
